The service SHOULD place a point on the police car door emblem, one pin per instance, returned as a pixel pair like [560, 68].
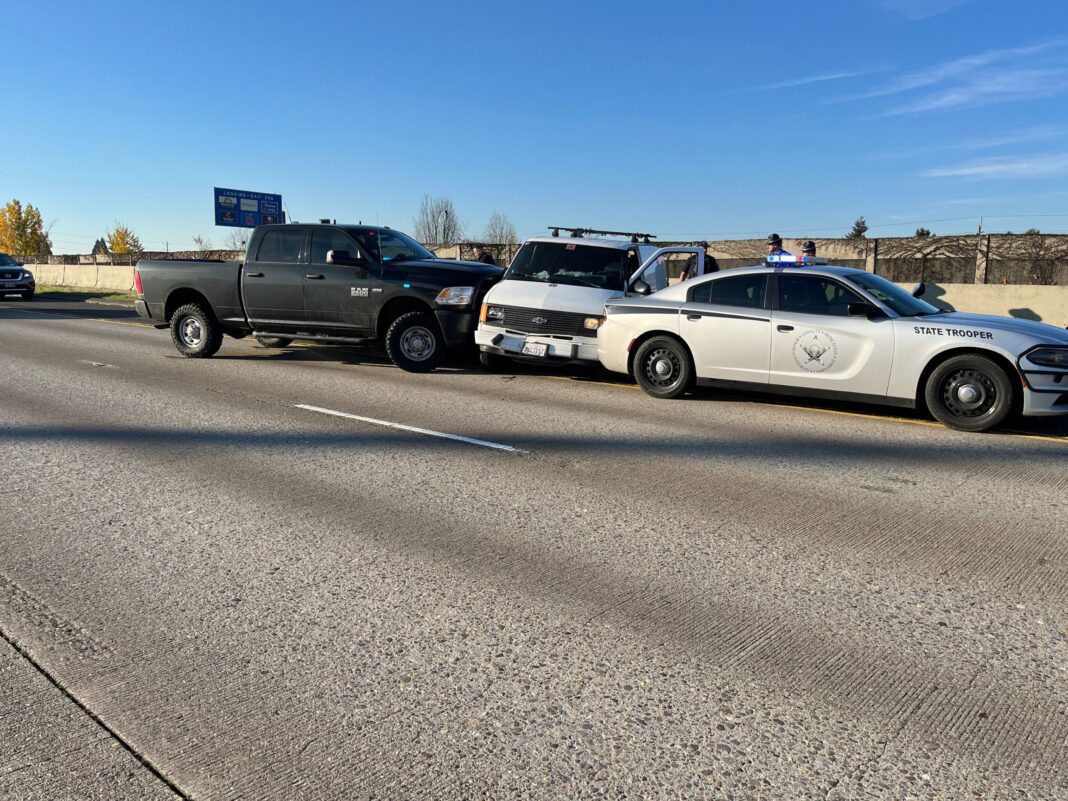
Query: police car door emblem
[815, 351]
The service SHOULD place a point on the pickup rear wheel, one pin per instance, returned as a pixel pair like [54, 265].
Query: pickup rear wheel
[662, 367]
[195, 331]
[414, 342]
[274, 342]
[969, 393]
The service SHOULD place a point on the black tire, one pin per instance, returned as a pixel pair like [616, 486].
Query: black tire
[662, 367]
[28, 295]
[970, 393]
[493, 362]
[274, 342]
[414, 342]
[195, 331]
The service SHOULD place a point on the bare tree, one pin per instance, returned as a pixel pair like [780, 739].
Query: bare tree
[499, 231]
[437, 223]
[237, 239]
[201, 243]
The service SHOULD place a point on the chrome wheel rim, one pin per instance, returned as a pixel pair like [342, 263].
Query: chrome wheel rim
[191, 332]
[418, 343]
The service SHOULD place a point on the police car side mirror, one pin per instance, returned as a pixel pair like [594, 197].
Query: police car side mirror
[641, 288]
[919, 290]
[864, 310]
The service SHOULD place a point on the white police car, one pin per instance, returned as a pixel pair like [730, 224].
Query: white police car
[836, 332]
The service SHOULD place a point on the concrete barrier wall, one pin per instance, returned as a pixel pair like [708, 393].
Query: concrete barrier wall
[1047, 304]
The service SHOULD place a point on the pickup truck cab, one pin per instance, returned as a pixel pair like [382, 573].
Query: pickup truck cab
[551, 301]
[338, 283]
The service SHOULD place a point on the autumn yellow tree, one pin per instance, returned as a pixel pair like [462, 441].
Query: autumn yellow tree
[122, 239]
[22, 232]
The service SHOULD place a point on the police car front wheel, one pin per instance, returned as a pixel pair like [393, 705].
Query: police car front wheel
[970, 393]
[662, 367]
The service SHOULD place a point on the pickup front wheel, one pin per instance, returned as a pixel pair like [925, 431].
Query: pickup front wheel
[414, 342]
[195, 331]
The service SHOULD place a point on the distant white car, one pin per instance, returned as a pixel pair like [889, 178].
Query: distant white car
[836, 332]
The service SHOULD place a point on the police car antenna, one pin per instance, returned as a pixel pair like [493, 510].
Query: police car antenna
[578, 233]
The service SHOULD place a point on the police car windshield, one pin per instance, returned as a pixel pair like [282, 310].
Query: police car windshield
[893, 296]
[569, 263]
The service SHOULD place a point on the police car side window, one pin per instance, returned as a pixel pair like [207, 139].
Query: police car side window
[746, 291]
[810, 294]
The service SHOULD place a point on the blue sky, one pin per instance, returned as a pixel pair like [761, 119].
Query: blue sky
[688, 119]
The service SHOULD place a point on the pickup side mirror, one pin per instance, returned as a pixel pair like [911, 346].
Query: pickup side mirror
[864, 310]
[639, 287]
[919, 290]
[344, 257]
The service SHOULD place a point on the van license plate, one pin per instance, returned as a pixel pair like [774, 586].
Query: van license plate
[535, 348]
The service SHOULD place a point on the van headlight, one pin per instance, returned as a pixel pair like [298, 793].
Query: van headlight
[592, 323]
[1049, 357]
[455, 295]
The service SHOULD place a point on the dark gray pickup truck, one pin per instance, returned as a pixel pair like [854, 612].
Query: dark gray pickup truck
[338, 283]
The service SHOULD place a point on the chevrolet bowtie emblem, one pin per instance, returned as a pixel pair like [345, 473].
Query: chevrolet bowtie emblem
[539, 321]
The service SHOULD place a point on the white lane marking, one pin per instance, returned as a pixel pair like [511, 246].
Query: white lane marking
[400, 427]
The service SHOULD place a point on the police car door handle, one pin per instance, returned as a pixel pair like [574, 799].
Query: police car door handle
[253, 275]
[315, 277]
[785, 328]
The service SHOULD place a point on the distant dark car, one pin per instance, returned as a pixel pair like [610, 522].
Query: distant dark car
[336, 283]
[15, 279]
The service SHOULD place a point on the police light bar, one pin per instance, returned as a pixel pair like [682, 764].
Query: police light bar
[794, 260]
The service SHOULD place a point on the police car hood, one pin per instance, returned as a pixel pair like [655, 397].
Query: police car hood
[990, 322]
[553, 297]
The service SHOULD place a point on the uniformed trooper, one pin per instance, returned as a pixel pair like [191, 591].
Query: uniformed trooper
[809, 248]
[774, 242]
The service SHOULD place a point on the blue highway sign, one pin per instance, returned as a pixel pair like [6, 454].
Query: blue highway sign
[240, 209]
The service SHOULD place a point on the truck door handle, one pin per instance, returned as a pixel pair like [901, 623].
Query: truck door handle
[254, 275]
[785, 328]
[693, 316]
[315, 277]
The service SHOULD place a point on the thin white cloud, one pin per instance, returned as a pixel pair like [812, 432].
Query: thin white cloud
[832, 76]
[914, 10]
[1000, 87]
[949, 70]
[1040, 166]
[1022, 136]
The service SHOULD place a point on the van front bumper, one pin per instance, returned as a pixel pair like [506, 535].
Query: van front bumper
[558, 349]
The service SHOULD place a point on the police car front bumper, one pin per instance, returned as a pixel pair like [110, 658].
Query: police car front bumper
[531, 346]
[1045, 404]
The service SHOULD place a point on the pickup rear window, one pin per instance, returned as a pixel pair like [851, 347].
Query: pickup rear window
[280, 246]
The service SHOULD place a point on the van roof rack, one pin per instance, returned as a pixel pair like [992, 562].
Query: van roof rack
[578, 233]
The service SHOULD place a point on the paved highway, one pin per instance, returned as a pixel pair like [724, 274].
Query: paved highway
[215, 585]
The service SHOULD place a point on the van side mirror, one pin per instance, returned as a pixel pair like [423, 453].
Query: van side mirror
[919, 290]
[864, 310]
[639, 287]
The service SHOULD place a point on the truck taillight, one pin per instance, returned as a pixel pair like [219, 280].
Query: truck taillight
[137, 282]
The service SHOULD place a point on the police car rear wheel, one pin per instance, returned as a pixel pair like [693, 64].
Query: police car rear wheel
[662, 368]
[970, 393]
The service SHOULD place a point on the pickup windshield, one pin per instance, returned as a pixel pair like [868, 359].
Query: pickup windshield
[893, 296]
[569, 263]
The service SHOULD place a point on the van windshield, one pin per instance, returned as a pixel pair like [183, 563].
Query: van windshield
[569, 263]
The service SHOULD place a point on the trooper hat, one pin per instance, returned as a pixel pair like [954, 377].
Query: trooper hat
[774, 239]
[809, 245]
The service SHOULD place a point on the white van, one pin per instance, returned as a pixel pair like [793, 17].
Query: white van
[551, 300]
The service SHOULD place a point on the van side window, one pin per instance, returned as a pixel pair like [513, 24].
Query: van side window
[281, 246]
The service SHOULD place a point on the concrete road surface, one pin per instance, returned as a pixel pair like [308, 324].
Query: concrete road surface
[215, 585]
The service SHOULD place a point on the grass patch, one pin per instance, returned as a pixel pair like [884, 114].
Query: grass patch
[81, 293]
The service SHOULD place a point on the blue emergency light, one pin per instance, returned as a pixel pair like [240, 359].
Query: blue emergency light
[794, 261]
